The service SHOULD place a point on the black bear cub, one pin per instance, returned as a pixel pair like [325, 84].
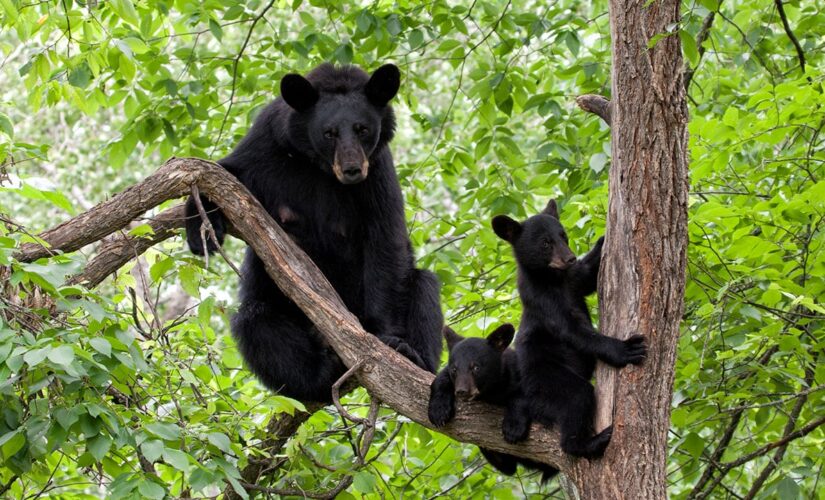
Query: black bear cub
[557, 345]
[484, 369]
[318, 160]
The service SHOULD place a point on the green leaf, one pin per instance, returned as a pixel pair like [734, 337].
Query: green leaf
[152, 449]
[11, 443]
[80, 76]
[62, 355]
[6, 126]
[125, 9]
[415, 38]
[99, 446]
[689, 48]
[169, 432]
[151, 489]
[216, 29]
[160, 268]
[220, 441]
[788, 489]
[176, 459]
[102, 346]
[36, 356]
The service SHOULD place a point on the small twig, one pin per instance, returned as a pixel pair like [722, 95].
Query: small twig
[704, 32]
[206, 228]
[597, 105]
[367, 433]
[315, 461]
[386, 444]
[799, 53]
[336, 398]
[235, 70]
[346, 481]
[6, 487]
[138, 324]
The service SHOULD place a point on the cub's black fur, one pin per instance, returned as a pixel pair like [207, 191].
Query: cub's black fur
[318, 159]
[484, 369]
[557, 345]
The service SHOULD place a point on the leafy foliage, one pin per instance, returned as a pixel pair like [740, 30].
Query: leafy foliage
[136, 388]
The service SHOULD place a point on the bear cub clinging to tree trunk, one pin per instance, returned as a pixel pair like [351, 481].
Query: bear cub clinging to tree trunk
[318, 160]
[557, 345]
[483, 369]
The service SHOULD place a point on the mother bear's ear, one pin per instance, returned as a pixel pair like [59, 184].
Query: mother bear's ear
[298, 92]
[383, 85]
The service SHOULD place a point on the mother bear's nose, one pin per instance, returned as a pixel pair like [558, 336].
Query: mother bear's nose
[352, 171]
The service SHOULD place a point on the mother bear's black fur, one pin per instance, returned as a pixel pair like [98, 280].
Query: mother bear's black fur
[318, 159]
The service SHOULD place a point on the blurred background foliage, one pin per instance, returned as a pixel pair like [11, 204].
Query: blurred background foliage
[136, 388]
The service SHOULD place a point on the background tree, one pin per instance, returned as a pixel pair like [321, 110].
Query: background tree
[136, 388]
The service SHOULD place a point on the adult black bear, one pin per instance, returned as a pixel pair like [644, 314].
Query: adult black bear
[484, 369]
[318, 159]
[557, 345]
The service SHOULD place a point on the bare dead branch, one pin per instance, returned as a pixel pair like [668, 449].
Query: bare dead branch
[336, 397]
[597, 105]
[367, 433]
[206, 226]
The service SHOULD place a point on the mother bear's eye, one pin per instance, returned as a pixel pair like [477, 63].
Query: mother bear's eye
[330, 134]
[361, 130]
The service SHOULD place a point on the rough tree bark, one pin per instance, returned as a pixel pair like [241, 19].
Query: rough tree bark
[642, 278]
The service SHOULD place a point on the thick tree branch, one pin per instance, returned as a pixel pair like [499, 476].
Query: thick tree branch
[117, 250]
[386, 375]
[595, 104]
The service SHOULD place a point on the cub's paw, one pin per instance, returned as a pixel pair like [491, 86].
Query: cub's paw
[515, 430]
[635, 349]
[441, 410]
[625, 352]
[598, 443]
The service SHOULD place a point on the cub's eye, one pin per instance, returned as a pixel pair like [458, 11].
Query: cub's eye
[361, 130]
[329, 134]
[475, 368]
[453, 371]
[545, 244]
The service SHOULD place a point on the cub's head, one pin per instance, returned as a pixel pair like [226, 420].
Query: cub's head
[540, 242]
[341, 115]
[475, 364]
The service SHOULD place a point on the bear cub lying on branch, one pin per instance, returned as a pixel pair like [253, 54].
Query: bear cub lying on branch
[557, 345]
[318, 160]
[484, 369]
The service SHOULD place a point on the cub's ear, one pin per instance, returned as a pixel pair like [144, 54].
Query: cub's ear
[452, 337]
[551, 209]
[298, 92]
[383, 85]
[506, 228]
[501, 337]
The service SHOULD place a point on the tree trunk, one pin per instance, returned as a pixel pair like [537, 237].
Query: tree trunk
[642, 278]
